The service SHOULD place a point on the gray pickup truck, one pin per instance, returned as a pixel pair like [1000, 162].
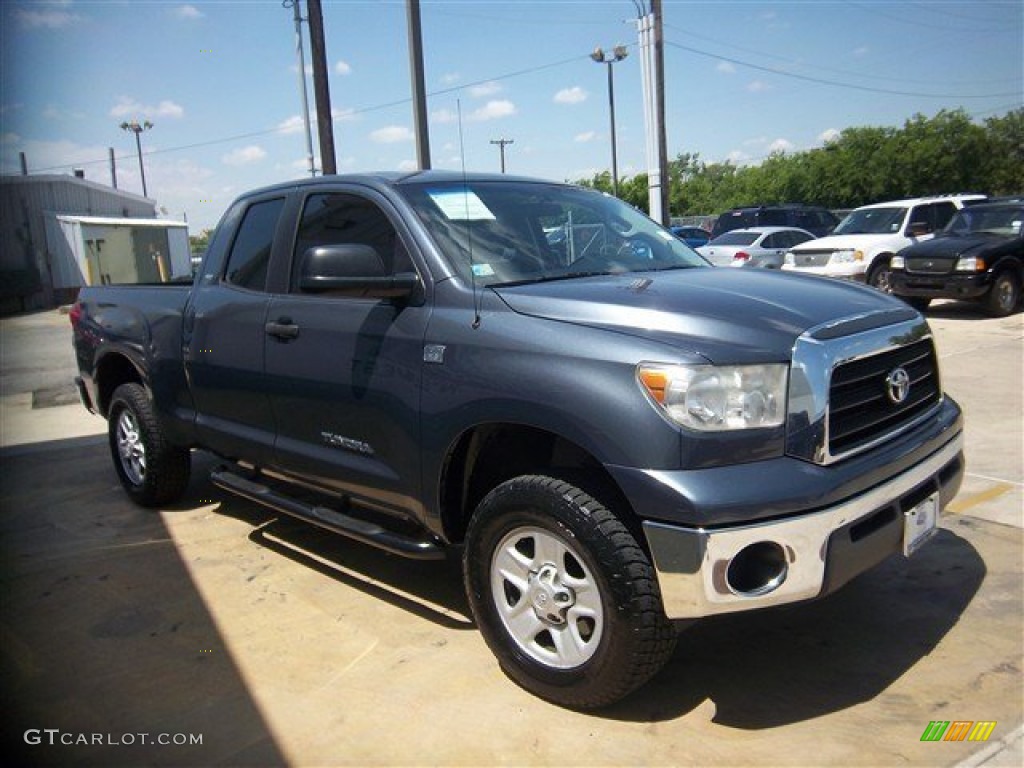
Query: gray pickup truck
[616, 436]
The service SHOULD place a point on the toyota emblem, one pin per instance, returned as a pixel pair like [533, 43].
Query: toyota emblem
[897, 385]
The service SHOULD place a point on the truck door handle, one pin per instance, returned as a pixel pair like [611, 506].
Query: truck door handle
[283, 329]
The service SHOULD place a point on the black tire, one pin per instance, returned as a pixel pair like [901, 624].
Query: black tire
[920, 303]
[880, 277]
[152, 470]
[1004, 295]
[548, 559]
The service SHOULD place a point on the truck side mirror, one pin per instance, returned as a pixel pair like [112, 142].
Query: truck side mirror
[919, 228]
[353, 270]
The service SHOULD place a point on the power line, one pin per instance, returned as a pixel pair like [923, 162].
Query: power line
[836, 83]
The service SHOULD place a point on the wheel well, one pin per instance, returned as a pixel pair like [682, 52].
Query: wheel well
[111, 372]
[488, 455]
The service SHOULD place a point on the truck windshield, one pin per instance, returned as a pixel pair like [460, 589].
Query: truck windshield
[1003, 220]
[872, 221]
[499, 232]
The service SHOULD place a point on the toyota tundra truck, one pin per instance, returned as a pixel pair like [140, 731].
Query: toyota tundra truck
[615, 437]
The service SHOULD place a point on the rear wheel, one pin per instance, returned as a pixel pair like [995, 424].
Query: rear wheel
[1004, 295]
[152, 470]
[563, 594]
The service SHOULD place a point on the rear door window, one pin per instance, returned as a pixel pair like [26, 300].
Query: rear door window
[250, 253]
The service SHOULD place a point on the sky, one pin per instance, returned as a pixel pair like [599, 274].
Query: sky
[219, 82]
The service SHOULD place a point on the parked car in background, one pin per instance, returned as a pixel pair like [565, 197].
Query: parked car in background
[694, 237]
[815, 219]
[754, 247]
[862, 246]
[979, 256]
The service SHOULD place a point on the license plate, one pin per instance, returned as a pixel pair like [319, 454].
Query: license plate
[919, 524]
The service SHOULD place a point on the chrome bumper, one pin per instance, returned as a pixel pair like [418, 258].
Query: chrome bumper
[692, 563]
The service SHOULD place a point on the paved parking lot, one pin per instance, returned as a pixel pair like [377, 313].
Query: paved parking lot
[275, 643]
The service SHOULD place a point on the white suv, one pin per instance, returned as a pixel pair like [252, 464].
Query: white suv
[862, 245]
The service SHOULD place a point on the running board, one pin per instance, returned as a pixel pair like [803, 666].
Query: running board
[332, 520]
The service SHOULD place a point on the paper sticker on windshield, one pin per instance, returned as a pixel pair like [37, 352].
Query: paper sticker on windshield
[461, 205]
[483, 270]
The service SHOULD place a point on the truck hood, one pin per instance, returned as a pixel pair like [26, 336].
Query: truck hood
[953, 246]
[840, 242]
[727, 316]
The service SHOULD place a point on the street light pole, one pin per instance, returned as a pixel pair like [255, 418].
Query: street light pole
[137, 129]
[501, 144]
[617, 54]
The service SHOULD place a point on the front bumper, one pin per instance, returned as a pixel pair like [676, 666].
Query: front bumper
[855, 271]
[822, 550]
[951, 286]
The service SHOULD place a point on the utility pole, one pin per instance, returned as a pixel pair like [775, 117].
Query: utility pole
[501, 146]
[300, 55]
[617, 54]
[137, 129]
[321, 90]
[659, 63]
[419, 88]
[113, 168]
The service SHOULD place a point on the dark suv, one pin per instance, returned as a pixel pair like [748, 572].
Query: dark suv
[815, 219]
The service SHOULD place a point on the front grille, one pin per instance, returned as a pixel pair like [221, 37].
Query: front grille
[922, 266]
[811, 258]
[860, 408]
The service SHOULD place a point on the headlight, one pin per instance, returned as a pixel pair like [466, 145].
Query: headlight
[970, 264]
[717, 398]
[898, 262]
[790, 259]
[846, 256]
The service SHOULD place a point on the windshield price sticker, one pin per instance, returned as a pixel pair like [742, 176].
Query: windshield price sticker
[461, 205]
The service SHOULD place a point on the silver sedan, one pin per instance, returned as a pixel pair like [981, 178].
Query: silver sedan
[753, 247]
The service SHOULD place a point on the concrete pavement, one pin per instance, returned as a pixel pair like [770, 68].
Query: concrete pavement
[276, 643]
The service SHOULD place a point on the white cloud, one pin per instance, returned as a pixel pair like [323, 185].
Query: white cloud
[45, 19]
[407, 166]
[493, 110]
[391, 134]
[343, 68]
[244, 155]
[583, 137]
[484, 89]
[780, 145]
[344, 115]
[574, 95]
[829, 134]
[861, 52]
[726, 67]
[293, 124]
[758, 86]
[128, 107]
[737, 157]
[188, 12]
[443, 116]
[450, 78]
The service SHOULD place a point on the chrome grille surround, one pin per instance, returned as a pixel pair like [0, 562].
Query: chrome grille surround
[821, 351]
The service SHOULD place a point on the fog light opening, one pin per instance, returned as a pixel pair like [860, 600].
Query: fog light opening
[757, 569]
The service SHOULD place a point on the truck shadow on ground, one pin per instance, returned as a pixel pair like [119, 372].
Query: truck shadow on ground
[763, 669]
[771, 668]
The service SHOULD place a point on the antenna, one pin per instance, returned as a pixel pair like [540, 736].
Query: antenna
[469, 224]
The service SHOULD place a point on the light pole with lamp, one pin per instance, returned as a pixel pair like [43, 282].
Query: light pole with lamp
[135, 128]
[618, 53]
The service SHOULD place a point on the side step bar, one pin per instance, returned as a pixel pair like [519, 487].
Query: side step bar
[332, 520]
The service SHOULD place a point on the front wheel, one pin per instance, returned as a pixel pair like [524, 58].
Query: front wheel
[880, 277]
[564, 596]
[1004, 295]
[151, 469]
[920, 303]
